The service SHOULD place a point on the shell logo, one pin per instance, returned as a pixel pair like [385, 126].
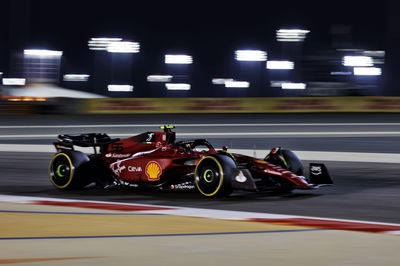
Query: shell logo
[153, 170]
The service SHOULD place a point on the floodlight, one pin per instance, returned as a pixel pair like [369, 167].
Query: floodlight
[291, 35]
[237, 84]
[120, 88]
[178, 86]
[178, 59]
[76, 77]
[358, 61]
[101, 44]
[280, 65]
[14, 81]
[43, 53]
[123, 47]
[367, 71]
[250, 55]
[220, 81]
[293, 86]
[159, 78]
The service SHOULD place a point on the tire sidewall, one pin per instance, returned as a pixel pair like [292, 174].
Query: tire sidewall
[76, 178]
[289, 161]
[225, 167]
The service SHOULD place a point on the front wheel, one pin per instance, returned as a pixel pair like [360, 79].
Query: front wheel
[213, 175]
[286, 159]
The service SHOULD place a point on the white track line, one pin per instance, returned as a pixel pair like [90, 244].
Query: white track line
[237, 134]
[194, 212]
[332, 156]
[304, 155]
[203, 125]
[393, 232]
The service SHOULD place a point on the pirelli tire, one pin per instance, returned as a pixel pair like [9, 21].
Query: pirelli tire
[68, 170]
[213, 175]
[286, 159]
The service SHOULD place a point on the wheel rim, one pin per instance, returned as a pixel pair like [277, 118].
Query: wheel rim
[61, 170]
[209, 176]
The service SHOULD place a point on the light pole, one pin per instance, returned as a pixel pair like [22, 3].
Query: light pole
[251, 69]
[121, 64]
[42, 65]
[178, 66]
[292, 44]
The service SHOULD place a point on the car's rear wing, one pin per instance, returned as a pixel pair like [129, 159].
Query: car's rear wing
[67, 142]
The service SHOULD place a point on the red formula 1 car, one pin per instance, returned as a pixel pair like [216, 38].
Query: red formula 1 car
[155, 160]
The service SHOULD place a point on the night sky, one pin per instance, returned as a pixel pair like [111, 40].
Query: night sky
[208, 30]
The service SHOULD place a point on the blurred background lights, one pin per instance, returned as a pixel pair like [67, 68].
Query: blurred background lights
[250, 55]
[367, 71]
[75, 77]
[41, 65]
[120, 88]
[178, 86]
[293, 86]
[159, 78]
[27, 99]
[350, 50]
[123, 47]
[374, 53]
[220, 81]
[14, 81]
[357, 61]
[42, 53]
[178, 59]
[280, 65]
[341, 73]
[101, 43]
[278, 83]
[291, 35]
[236, 84]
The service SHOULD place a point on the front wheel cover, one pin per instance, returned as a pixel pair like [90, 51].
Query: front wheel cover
[61, 171]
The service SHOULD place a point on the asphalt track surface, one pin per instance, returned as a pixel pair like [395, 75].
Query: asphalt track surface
[363, 191]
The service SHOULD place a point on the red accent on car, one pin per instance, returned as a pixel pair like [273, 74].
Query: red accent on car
[274, 150]
[332, 224]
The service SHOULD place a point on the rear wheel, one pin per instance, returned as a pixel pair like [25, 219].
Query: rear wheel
[213, 175]
[67, 170]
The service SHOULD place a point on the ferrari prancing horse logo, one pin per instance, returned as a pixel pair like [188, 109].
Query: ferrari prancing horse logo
[153, 170]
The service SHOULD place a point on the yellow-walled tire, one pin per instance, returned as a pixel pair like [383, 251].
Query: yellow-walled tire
[286, 159]
[213, 175]
[67, 170]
